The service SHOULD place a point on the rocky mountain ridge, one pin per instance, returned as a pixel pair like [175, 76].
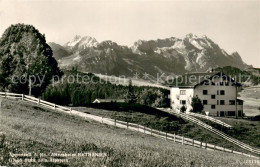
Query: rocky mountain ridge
[170, 56]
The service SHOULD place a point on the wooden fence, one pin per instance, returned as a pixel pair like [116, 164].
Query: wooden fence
[126, 125]
[211, 119]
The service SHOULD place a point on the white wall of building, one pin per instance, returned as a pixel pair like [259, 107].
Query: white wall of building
[230, 93]
[177, 97]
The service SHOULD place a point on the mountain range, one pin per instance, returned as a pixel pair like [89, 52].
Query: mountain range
[171, 56]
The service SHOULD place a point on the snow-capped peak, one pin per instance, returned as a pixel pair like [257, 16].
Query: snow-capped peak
[190, 35]
[77, 37]
[82, 42]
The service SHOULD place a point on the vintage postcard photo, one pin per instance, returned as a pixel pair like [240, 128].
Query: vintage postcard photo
[129, 83]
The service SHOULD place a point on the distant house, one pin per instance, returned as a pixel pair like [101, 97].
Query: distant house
[217, 92]
[109, 101]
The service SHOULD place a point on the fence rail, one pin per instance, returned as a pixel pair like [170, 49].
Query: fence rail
[211, 119]
[131, 126]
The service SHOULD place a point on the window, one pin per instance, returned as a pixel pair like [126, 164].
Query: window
[232, 102]
[227, 83]
[205, 92]
[222, 92]
[205, 102]
[240, 102]
[222, 102]
[213, 96]
[212, 83]
[217, 102]
[213, 106]
[231, 113]
[221, 113]
[183, 92]
[183, 102]
[221, 83]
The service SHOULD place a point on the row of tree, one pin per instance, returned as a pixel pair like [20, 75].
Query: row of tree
[80, 94]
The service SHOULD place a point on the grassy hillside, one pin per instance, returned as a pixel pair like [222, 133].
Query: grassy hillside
[251, 97]
[29, 128]
[156, 119]
[245, 130]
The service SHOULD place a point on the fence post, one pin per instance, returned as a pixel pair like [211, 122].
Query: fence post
[144, 129]
[205, 145]
[38, 101]
[151, 131]
[174, 138]
[165, 135]
[192, 142]
[201, 144]
[22, 96]
[115, 121]
[5, 94]
[127, 125]
[182, 140]
[70, 110]
[54, 106]
[215, 147]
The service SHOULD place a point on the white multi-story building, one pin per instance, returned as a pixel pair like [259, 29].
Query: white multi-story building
[217, 92]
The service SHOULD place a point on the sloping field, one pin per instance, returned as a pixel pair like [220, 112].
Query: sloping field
[251, 97]
[163, 121]
[30, 128]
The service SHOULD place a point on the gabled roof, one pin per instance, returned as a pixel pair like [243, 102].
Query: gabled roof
[108, 100]
[223, 76]
[192, 80]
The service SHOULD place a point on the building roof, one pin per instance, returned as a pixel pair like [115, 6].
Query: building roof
[192, 80]
[107, 100]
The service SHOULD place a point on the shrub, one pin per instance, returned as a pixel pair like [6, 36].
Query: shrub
[183, 108]
[197, 104]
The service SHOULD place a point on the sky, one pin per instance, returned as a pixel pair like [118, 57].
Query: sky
[233, 24]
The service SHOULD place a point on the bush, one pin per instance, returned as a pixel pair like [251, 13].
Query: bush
[197, 104]
[256, 118]
[183, 108]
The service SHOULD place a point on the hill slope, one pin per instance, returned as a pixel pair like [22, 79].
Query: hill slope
[29, 128]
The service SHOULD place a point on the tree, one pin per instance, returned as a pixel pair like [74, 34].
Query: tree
[197, 105]
[25, 56]
[130, 97]
[2, 82]
[183, 108]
